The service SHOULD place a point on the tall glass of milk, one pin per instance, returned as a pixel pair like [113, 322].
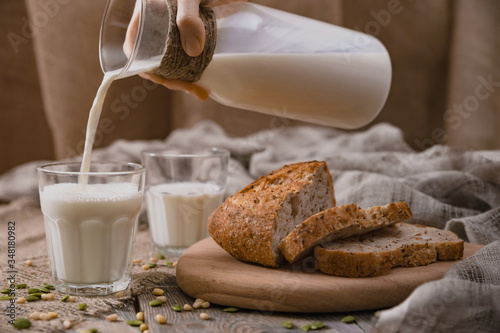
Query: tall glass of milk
[183, 187]
[90, 226]
[264, 60]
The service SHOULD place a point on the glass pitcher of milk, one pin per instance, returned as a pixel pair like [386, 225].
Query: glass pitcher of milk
[265, 60]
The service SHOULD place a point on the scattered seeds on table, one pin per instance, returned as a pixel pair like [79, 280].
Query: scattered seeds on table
[146, 267]
[205, 304]
[317, 325]
[21, 323]
[21, 286]
[139, 316]
[287, 324]
[155, 302]
[28, 262]
[65, 298]
[67, 324]
[134, 322]
[153, 259]
[160, 256]
[160, 319]
[21, 300]
[34, 316]
[112, 317]
[204, 316]
[82, 306]
[162, 298]
[158, 292]
[177, 307]
[136, 261]
[231, 309]
[152, 265]
[72, 299]
[48, 297]
[143, 327]
[348, 319]
[197, 303]
[187, 307]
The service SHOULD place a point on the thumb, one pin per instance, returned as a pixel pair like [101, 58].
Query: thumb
[190, 26]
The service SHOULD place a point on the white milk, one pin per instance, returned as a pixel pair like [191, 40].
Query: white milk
[90, 234]
[337, 89]
[178, 212]
[94, 115]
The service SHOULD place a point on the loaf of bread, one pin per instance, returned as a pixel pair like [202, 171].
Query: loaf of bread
[375, 253]
[251, 224]
[339, 223]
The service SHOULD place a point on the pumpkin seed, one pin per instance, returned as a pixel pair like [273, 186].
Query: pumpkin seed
[160, 256]
[21, 286]
[152, 265]
[22, 323]
[155, 302]
[48, 286]
[231, 309]
[82, 306]
[43, 290]
[31, 298]
[65, 298]
[177, 307]
[134, 322]
[287, 324]
[348, 319]
[169, 263]
[5, 291]
[317, 325]
[306, 327]
[33, 290]
[6, 297]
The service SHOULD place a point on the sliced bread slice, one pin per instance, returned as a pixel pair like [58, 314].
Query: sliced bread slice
[375, 253]
[250, 224]
[338, 223]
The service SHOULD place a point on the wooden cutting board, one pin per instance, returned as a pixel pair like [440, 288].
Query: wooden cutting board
[207, 271]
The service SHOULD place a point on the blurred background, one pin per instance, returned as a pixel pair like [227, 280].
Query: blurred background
[445, 88]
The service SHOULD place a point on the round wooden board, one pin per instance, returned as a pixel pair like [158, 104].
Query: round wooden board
[207, 271]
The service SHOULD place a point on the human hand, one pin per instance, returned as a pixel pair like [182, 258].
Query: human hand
[192, 33]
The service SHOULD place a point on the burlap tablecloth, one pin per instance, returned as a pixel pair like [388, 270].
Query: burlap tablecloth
[445, 187]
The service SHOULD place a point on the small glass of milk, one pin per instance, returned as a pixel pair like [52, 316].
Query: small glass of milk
[90, 224]
[183, 187]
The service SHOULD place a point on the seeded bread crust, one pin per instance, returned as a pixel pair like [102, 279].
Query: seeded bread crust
[339, 223]
[251, 224]
[375, 253]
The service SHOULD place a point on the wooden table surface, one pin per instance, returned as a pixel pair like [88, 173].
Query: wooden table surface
[247, 321]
